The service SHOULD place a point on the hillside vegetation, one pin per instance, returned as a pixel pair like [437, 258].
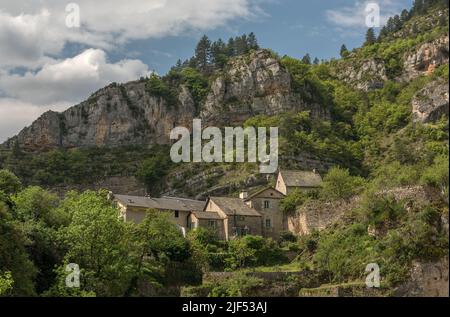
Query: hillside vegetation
[357, 119]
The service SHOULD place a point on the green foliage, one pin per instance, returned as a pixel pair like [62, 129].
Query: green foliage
[157, 87]
[35, 203]
[14, 257]
[339, 184]
[292, 201]
[238, 286]
[98, 241]
[437, 175]
[251, 251]
[9, 183]
[306, 82]
[152, 170]
[196, 82]
[6, 283]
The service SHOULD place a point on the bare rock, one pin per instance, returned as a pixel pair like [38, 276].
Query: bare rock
[431, 103]
[426, 58]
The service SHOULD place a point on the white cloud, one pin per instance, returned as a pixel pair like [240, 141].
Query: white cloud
[58, 85]
[34, 29]
[16, 114]
[355, 16]
[33, 35]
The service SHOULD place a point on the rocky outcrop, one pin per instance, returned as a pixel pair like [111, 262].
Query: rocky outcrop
[366, 75]
[426, 58]
[431, 103]
[129, 114]
[252, 85]
[118, 115]
[427, 279]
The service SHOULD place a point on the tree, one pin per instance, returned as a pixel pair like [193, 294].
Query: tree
[152, 170]
[370, 37]
[231, 47]
[290, 203]
[6, 283]
[9, 183]
[306, 59]
[252, 41]
[14, 258]
[241, 45]
[99, 242]
[397, 23]
[203, 53]
[316, 61]
[339, 184]
[437, 175]
[344, 51]
[219, 53]
[404, 16]
[37, 210]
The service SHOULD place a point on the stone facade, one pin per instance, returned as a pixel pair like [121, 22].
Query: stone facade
[267, 203]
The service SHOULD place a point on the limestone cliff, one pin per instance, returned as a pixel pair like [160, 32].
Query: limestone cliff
[129, 114]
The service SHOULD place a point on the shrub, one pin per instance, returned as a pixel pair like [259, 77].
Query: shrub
[293, 200]
[339, 184]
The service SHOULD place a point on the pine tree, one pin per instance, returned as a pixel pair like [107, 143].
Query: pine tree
[397, 23]
[390, 25]
[241, 45]
[306, 59]
[219, 53]
[383, 33]
[231, 47]
[344, 51]
[370, 37]
[252, 41]
[316, 61]
[404, 16]
[203, 53]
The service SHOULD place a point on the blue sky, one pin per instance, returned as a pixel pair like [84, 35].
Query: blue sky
[48, 64]
[290, 27]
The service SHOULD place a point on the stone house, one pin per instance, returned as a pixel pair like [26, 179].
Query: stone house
[289, 181]
[267, 203]
[134, 208]
[208, 220]
[238, 219]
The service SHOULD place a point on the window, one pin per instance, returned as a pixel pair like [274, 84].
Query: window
[266, 204]
[241, 218]
[268, 223]
[212, 224]
[177, 214]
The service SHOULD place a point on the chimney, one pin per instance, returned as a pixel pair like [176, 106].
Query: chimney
[110, 195]
[243, 195]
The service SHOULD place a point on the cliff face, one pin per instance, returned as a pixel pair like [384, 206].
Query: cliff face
[114, 116]
[120, 115]
[250, 86]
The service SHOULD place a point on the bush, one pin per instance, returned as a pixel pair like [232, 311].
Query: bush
[9, 183]
[292, 201]
[251, 251]
[339, 184]
[437, 175]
